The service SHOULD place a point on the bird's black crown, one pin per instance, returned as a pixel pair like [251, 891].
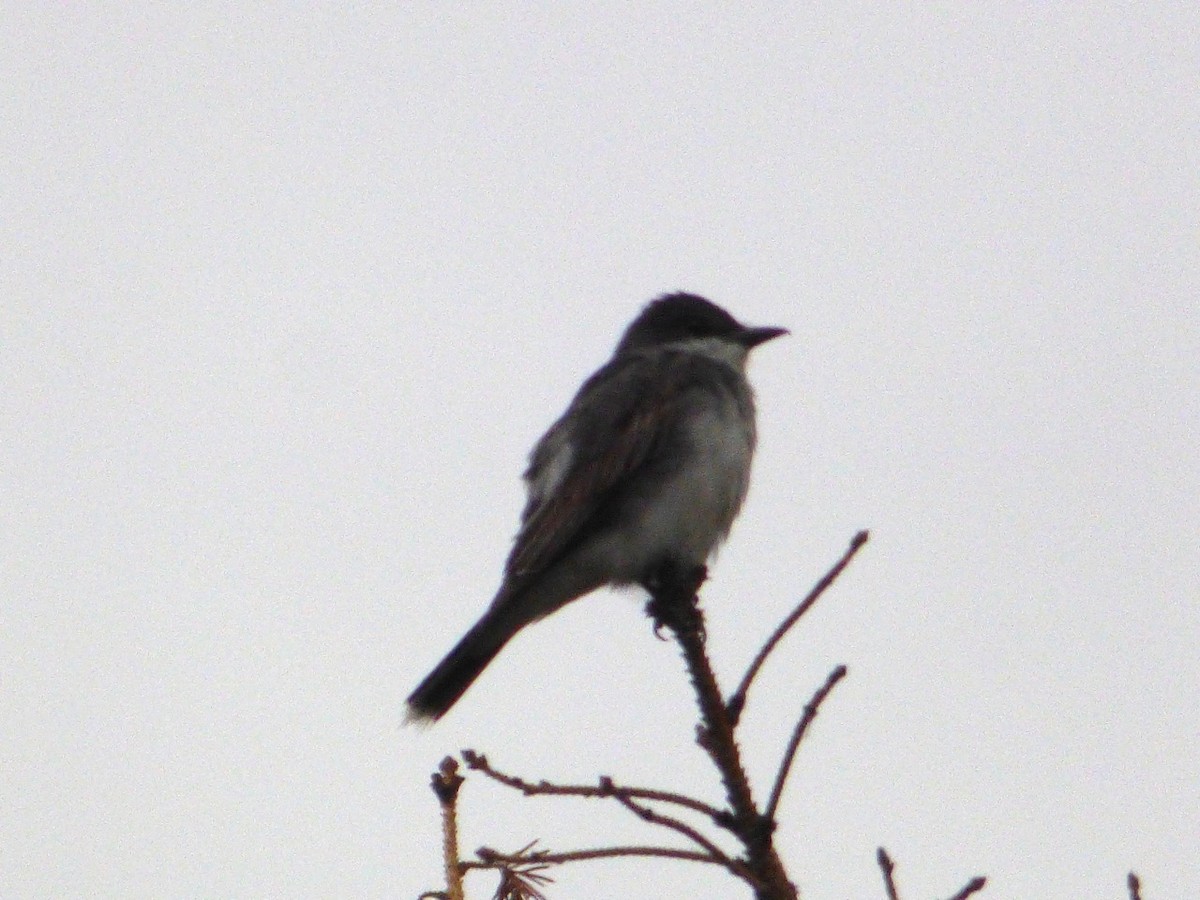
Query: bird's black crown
[678, 317]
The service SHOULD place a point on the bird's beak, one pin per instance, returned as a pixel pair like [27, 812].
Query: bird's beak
[752, 337]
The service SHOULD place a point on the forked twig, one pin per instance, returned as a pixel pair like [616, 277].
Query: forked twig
[888, 867]
[627, 797]
[674, 605]
[605, 787]
[492, 859]
[656, 818]
[737, 700]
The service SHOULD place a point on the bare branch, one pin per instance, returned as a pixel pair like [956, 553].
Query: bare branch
[1135, 887]
[606, 787]
[656, 818]
[738, 700]
[491, 859]
[445, 783]
[888, 867]
[674, 604]
[973, 886]
[810, 713]
[719, 816]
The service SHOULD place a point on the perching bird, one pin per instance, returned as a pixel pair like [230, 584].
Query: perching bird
[647, 469]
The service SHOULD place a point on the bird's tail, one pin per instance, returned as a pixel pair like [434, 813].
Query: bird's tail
[453, 675]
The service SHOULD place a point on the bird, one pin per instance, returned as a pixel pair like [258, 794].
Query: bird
[644, 473]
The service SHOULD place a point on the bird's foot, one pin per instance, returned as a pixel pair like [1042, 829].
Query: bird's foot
[673, 597]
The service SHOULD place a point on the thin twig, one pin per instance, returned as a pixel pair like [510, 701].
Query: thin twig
[717, 815]
[889, 881]
[605, 788]
[656, 818]
[1135, 887]
[738, 699]
[888, 867]
[973, 886]
[810, 713]
[491, 859]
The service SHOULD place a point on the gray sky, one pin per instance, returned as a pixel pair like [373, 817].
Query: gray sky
[289, 293]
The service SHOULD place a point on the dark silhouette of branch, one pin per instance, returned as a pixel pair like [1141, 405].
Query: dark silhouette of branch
[888, 867]
[674, 605]
[605, 787]
[445, 782]
[656, 818]
[737, 701]
[1135, 887]
[810, 713]
[889, 881]
[492, 859]
[973, 886]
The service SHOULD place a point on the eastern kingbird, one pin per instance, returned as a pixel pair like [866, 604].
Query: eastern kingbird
[644, 473]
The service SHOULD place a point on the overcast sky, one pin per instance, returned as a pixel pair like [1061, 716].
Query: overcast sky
[287, 294]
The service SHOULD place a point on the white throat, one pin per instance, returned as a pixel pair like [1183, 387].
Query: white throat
[729, 352]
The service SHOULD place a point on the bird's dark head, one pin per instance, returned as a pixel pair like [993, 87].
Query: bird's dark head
[680, 318]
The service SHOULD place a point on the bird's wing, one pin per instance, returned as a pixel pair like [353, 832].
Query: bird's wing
[611, 429]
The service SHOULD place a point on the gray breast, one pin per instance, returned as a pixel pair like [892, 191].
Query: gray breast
[695, 504]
